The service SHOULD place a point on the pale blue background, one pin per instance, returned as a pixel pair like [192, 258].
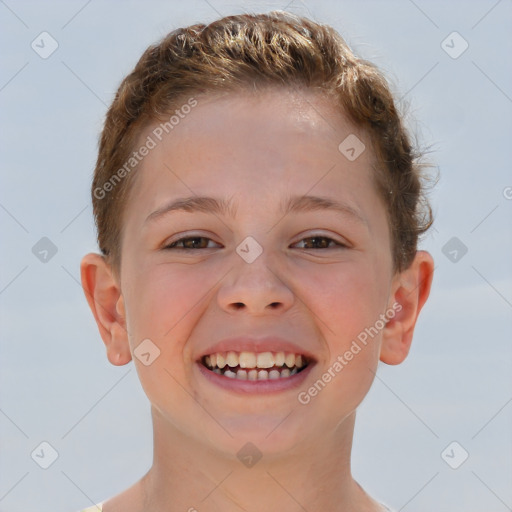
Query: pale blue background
[56, 384]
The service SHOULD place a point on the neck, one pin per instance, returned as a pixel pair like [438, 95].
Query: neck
[189, 476]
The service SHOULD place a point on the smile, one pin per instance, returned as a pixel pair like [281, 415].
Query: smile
[255, 366]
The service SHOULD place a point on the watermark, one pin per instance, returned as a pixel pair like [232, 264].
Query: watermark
[44, 250]
[44, 455]
[44, 45]
[454, 455]
[454, 45]
[150, 143]
[249, 249]
[454, 249]
[146, 352]
[249, 455]
[304, 397]
[351, 147]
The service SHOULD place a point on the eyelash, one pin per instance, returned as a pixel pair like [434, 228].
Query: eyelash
[172, 246]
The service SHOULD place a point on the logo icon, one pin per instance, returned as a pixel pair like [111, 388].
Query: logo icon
[249, 249]
[44, 45]
[44, 455]
[44, 250]
[249, 455]
[351, 147]
[454, 455]
[454, 249]
[454, 45]
[146, 352]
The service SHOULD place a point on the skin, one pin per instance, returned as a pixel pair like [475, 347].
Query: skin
[257, 150]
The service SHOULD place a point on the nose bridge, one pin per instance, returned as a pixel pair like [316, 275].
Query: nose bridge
[255, 282]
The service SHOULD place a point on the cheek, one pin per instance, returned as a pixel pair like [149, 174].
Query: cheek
[345, 300]
[165, 302]
[165, 298]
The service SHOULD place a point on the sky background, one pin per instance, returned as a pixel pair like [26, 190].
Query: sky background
[56, 385]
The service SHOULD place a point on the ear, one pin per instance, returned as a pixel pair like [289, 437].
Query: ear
[107, 305]
[410, 290]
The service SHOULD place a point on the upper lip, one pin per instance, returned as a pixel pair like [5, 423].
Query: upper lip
[257, 345]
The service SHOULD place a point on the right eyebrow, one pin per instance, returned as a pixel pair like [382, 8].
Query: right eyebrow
[194, 204]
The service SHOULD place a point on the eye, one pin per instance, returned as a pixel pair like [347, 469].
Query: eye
[190, 243]
[321, 242]
[201, 242]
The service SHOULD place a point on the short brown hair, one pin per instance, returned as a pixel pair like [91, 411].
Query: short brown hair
[244, 51]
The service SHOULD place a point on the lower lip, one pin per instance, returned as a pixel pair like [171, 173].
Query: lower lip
[256, 386]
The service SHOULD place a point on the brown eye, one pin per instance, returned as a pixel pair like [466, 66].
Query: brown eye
[190, 243]
[320, 242]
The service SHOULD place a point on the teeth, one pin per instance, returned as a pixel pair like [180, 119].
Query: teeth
[265, 360]
[255, 366]
[247, 360]
[221, 361]
[232, 359]
[274, 374]
[252, 374]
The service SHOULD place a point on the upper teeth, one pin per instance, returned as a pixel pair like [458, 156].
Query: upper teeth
[253, 360]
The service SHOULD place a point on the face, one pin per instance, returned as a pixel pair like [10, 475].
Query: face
[256, 277]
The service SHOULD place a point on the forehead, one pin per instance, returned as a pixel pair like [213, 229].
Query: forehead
[271, 117]
[248, 129]
[249, 144]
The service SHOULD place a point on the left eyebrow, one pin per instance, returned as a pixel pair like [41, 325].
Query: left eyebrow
[298, 204]
[294, 204]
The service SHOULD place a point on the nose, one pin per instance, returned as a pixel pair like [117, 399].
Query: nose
[255, 288]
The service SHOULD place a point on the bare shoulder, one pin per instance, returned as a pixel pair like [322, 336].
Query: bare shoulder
[130, 500]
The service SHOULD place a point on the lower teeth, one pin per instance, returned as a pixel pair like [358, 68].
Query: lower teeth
[255, 374]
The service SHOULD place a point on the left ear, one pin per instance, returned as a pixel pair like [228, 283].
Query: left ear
[410, 290]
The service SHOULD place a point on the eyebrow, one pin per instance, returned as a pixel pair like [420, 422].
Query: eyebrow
[294, 204]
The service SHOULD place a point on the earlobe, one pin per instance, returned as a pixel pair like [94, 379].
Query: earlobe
[104, 297]
[411, 289]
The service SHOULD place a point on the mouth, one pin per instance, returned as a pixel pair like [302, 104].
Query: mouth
[256, 366]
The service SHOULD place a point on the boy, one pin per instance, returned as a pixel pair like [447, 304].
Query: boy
[258, 207]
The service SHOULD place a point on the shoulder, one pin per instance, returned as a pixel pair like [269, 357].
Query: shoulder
[385, 508]
[94, 508]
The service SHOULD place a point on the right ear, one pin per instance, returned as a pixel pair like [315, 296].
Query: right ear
[106, 301]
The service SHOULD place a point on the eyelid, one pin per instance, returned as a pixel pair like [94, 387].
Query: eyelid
[338, 239]
[337, 243]
[343, 244]
[187, 236]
